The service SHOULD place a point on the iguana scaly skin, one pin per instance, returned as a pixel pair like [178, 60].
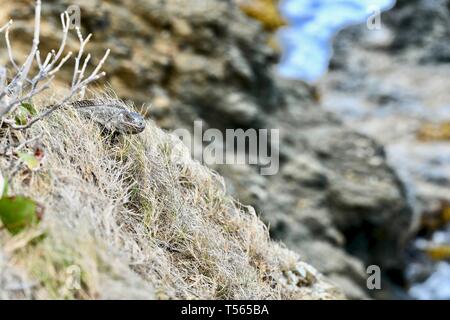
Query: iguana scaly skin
[112, 115]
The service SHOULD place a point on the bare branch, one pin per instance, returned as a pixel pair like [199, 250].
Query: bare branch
[83, 69]
[2, 78]
[27, 142]
[6, 26]
[8, 46]
[21, 88]
[16, 85]
[59, 105]
[83, 43]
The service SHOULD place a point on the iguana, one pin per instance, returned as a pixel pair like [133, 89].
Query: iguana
[112, 115]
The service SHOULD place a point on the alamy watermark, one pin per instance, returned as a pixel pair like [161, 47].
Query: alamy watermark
[374, 19]
[74, 13]
[374, 278]
[234, 146]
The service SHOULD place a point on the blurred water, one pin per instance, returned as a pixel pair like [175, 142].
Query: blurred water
[437, 286]
[306, 42]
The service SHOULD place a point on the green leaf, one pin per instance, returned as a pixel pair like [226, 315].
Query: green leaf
[30, 160]
[24, 111]
[20, 118]
[29, 108]
[18, 213]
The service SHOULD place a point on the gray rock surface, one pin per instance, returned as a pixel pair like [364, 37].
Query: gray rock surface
[425, 25]
[392, 85]
[335, 199]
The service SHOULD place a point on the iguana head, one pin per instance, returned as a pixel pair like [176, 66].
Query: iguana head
[129, 122]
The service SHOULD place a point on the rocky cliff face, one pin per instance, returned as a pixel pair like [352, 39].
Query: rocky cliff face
[424, 26]
[335, 200]
[392, 84]
[333, 197]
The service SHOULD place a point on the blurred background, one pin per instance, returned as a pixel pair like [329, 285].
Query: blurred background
[360, 93]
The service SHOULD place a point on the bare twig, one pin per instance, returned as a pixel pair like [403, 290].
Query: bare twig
[15, 87]
[23, 87]
[27, 142]
[2, 78]
[8, 46]
[5, 26]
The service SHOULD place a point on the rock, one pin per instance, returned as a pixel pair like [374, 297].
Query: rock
[397, 94]
[305, 171]
[334, 195]
[424, 25]
[353, 291]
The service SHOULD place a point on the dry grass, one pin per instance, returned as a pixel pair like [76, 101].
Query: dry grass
[139, 219]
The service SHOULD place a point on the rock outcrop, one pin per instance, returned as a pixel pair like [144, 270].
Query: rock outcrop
[423, 26]
[391, 84]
